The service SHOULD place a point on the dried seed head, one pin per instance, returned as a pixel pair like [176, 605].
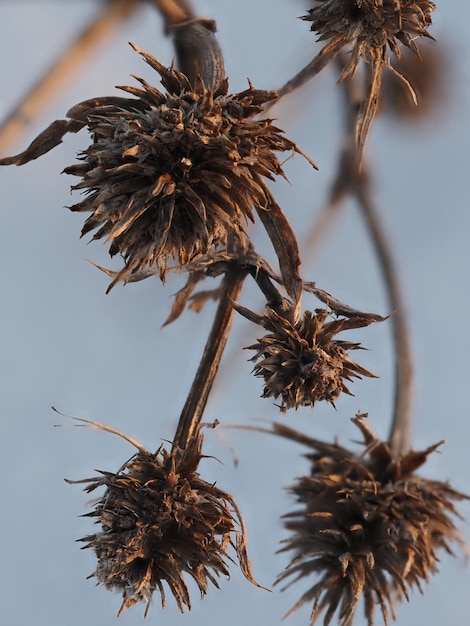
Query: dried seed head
[161, 522]
[370, 24]
[367, 29]
[301, 363]
[176, 174]
[367, 526]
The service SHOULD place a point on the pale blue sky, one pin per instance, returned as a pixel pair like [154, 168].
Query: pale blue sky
[64, 342]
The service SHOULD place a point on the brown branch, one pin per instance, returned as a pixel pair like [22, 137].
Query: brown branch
[56, 78]
[196, 401]
[198, 52]
[399, 437]
[352, 178]
[314, 67]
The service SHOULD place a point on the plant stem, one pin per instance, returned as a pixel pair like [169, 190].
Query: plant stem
[200, 58]
[399, 436]
[174, 11]
[353, 179]
[197, 398]
[198, 52]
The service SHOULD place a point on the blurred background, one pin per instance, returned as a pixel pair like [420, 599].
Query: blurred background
[63, 342]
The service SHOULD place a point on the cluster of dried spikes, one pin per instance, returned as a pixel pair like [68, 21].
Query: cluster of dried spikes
[368, 526]
[176, 175]
[366, 30]
[301, 362]
[160, 521]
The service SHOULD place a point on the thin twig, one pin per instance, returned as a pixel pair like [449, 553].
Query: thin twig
[314, 67]
[55, 79]
[197, 398]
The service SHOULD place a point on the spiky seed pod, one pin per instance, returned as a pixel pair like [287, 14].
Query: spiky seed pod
[160, 522]
[367, 29]
[367, 527]
[302, 363]
[175, 175]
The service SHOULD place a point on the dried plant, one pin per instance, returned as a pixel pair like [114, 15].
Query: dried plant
[365, 30]
[175, 175]
[171, 181]
[368, 526]
[301, 362]
[160, 521]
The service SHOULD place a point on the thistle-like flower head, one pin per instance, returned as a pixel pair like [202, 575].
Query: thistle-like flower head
[302, 363]
[176, 175]
[370, 25]
[367, 526]
[161, 522]
[367, 30]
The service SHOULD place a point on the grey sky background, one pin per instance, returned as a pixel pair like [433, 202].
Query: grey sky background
[63, 342]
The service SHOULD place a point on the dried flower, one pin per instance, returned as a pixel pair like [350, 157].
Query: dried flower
[367, 29]
[161, 521]
[301, 362]
[367, 526]
[175, 175]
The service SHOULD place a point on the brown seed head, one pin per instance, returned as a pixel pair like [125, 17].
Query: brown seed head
[302, 363]
[161, 522]
[369, 25]
[367, 527]
[174, 175]
[367, 29]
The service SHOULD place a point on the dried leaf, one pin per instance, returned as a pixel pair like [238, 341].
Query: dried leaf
[287, 250]
[44, 142]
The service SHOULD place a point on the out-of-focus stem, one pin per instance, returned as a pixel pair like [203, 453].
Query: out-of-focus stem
[174, 11]
[197, 49]
[325, 56]
[353, 179]
[197, 398]
[55, 79]
[399, 437]
[320, 232]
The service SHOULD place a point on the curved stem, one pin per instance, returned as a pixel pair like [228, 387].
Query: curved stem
[399, 437]
[196, 401]
[326, 54]
[352, 178]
